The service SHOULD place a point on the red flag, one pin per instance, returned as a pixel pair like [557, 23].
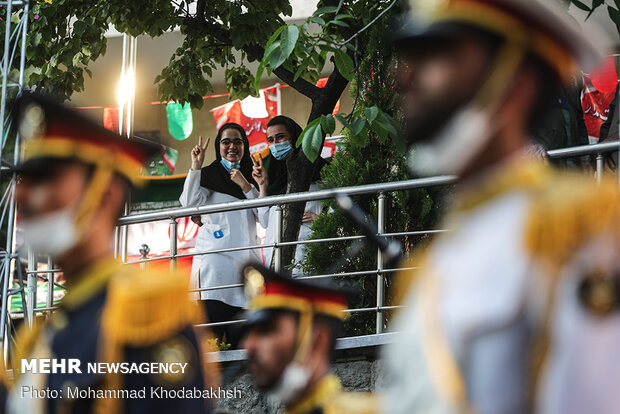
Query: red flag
[604, 77]
[110, 118]
[595, 105]
[247, 113]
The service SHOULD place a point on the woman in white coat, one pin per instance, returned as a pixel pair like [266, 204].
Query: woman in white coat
[227, 179]
[271, 174]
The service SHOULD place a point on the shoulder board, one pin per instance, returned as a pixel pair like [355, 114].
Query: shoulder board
[143, 308]
[570, 211]
[352, 403]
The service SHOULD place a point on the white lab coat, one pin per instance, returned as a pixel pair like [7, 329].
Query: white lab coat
[267, 219]
[220, 231]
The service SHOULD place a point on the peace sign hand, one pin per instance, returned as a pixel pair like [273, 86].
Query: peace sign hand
[198, 153]
[259, 173]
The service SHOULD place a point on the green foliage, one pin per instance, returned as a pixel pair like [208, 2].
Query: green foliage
[612, 12]
[215, 344]
[373, 158]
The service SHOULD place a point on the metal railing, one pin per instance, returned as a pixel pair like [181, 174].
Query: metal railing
[382, 189]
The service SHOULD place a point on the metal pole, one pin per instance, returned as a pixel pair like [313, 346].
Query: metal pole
[133, 48]
[173, 244]
[31, 289]
[277, 253]
[122, 84]
[380, 277]
[599, 168]
[50, 286]
[117, 241]
[5, 70]
[124, 236]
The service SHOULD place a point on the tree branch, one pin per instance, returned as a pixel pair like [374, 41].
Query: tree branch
[254, 52]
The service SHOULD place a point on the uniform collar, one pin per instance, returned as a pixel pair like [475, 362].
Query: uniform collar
[318, 396]
[91, 281]
[516, 173]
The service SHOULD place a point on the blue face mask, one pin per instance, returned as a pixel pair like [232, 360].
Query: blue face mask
[281, 150]
[230, 165]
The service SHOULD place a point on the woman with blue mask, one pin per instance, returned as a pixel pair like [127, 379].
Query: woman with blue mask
[228, 178]
[272, 176]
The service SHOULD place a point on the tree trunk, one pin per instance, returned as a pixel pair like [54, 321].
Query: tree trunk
[300, 169]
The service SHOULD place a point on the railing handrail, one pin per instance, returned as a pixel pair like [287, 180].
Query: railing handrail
[334, 192]
[285, 199]
[584, 150]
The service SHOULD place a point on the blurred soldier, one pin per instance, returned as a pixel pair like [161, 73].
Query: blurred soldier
[517, 309]
[292, 326]
[73, 183]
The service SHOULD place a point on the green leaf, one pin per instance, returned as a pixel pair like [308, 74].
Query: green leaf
[360, 139]
[338, 23]
[277, 58]
[271, 49]
[595, 5]
[77, 58]
[381, 131]
[371, 113]
[343, 121]
[357, 124]
[259, 73]
[580, 5]
[614, 15]
[317, 20]
[324, 10]
[288, 39]
[328, 123]
[343, 16]
[273, 38]
[313, 140]
[344, 64]
[617, 2]
[300, 139]
[300, 69]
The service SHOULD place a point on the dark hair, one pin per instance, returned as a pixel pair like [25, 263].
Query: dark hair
[548, 87]
[244, 137]
[291, 126]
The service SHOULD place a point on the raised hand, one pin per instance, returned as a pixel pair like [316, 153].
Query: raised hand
[309, 217]
[237, 177]
[259, 173]
[198, 153]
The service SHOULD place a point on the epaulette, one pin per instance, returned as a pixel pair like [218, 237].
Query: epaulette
[568, 212]
[143, 308]
[352, 403]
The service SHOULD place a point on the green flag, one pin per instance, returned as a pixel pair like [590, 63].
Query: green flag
[180, 122]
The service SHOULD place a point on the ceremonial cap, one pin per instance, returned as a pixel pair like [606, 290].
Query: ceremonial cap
[52, 132]
[270, 293]
[541, 27]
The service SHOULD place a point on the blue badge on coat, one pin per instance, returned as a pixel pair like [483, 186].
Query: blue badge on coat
[218, 234]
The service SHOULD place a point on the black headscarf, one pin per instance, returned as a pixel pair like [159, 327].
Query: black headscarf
[276, 170]
[215, 177]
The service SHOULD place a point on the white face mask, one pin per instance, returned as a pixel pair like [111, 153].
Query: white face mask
[51, 234]
[293, 382]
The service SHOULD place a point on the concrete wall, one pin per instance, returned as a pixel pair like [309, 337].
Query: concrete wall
[360, 373]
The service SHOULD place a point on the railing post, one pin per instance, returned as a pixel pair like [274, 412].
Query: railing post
[277, 253]
[173, 244]
[144, 253]
[31, 288]
[116, 241]
[380, 277]
[50, 286]
[599, 167]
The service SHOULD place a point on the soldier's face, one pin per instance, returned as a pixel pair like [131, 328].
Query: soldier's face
[436, 78]
[270, 347]
[60, 188]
